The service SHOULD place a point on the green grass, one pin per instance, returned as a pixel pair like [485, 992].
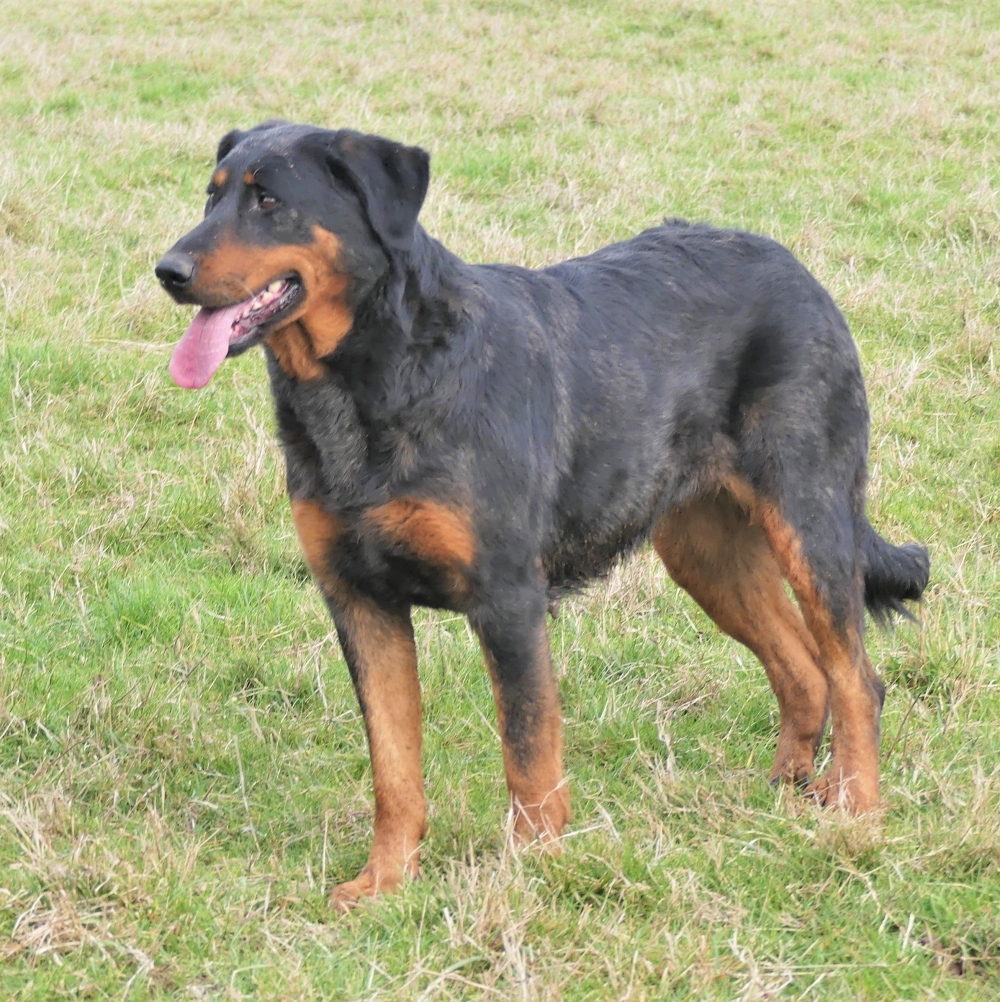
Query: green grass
[184, 773]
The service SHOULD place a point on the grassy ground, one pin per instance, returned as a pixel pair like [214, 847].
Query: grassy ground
[184, 773]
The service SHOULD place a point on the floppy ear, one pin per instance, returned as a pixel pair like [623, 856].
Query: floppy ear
[390, 178]
[227, 143]
[231, 139]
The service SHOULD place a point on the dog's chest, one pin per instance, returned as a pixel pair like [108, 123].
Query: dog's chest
[409, 550]
[371, 520]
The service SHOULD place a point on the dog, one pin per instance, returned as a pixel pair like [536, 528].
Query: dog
[487, 438]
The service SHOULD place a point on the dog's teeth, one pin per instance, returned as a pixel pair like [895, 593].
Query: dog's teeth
[274, 286]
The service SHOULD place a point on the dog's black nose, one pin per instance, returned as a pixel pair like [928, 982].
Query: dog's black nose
[175, 269]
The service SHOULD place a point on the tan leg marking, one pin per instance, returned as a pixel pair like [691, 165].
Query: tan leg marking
[380, 651]
[433, 531]
[436, 533]
[713, 551]
[380, 648]
[533, 751]
[853, 778]
[318, 530]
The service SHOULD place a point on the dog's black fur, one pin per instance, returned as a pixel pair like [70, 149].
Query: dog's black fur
[551, 420]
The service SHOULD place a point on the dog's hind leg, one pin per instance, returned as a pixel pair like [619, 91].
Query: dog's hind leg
[515, 643]
[798, 418]
[814, 540]
[723, 560]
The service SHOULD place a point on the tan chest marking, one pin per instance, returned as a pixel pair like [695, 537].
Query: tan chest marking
[435, 532]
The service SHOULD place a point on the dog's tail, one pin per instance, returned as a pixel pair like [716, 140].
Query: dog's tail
[893, 574]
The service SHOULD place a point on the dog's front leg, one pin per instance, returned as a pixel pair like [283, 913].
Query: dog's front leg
[378, 645]
[515, 643]
[382, 658]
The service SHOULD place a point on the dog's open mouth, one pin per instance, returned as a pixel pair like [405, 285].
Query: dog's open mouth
[230, 330]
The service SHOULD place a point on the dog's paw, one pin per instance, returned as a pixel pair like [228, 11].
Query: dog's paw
[847, 789]
[797, 774]
[368, 883]
[541, 824]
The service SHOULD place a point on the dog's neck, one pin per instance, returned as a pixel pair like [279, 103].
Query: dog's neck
[401, 343]
[391, 387]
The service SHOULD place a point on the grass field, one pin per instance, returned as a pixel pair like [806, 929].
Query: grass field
[184, 771]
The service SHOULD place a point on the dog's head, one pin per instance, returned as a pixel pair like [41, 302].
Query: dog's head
[300, 222]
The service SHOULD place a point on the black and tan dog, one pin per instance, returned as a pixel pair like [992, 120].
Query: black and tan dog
[484, 437]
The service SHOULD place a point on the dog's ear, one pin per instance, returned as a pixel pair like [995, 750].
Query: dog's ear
[227, 143]
[390, 178]
[231, 139]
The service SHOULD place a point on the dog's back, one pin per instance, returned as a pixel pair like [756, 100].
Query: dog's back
[671, 362]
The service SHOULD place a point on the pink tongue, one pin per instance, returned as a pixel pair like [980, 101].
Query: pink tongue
[203, 347]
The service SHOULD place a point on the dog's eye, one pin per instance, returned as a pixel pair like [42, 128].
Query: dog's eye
[266, 201]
